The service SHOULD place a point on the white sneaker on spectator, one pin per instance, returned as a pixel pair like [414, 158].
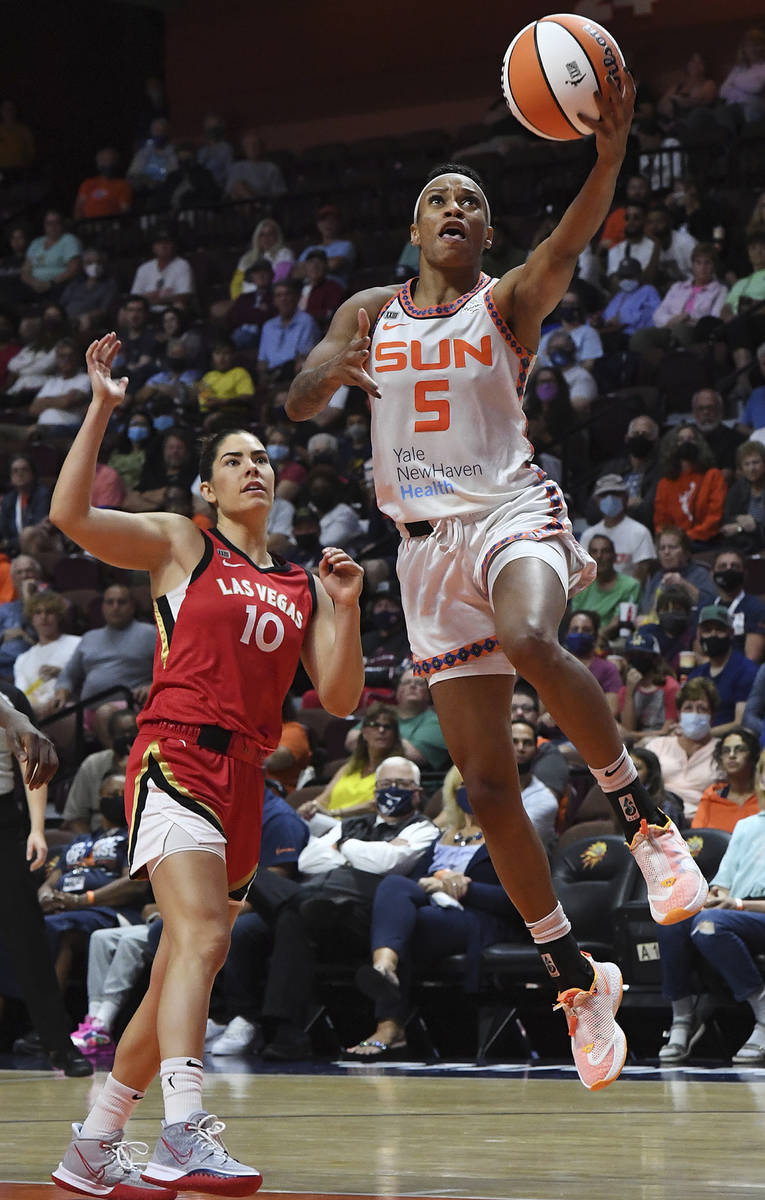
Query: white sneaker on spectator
[237, 1038]
[213, 1029]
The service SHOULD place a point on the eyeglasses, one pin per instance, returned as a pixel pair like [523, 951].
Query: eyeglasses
[377, 725]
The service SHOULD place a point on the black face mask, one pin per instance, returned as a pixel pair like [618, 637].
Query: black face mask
[122, 744]
[385, 620]
[715, 645]
[641, 662]
[394, 801]
[570, 312]
[306, 541]
[113, 808]
[689, 451]
[524, 768]
[639, 445]
[729, 580]
[673, 623]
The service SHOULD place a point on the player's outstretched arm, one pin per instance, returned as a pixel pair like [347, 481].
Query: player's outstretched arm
[339, 358]
[527, 294]
[332, 648]
[139, 541]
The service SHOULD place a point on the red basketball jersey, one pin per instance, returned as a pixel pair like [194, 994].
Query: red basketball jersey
[229, 643]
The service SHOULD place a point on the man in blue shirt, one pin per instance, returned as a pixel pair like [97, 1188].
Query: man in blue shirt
[287, 338]
[731, 671]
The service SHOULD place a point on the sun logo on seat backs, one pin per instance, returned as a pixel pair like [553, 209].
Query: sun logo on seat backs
[595, 853]
[695, 845]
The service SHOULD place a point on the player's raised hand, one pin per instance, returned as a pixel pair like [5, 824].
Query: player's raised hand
[342, 577]
[99, 357]
[615, 105]
[348, 366]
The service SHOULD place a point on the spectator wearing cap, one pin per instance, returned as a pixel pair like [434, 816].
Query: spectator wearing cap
[725, 802]
[104, 194]
[286, 339]
[632, 306]
[386, 643]
[690, 494]
[340, 252]
[609, 589]
[747, 612]
[253, 177]
[253, 306]
[731, 671]
[631, 540]
[744, 513]
[166, 278]
[647, 700]
[321, 296]
[572, 321]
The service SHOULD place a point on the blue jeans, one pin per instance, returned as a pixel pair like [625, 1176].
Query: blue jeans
[726, 938]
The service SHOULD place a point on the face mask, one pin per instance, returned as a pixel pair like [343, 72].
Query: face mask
[688, 451]
[629, 285]
[306, 541]
[248, 287]
[695, 725]
[53, 323]
[323, 456]
[357, 434]
[394, 801]
[113, 808]
[570, 312]
[547, 390]
[715, 645]
[560, 358]
[673, 623]
[524, 768]
[214, 132]
[385, 620]
[137, 433]
[640, 445]
[122, 744]
[729, 580]
[641, 662]
[611, 506]
[580, 643]
[163, 421]
[277, 451]
[94, 270]
[462, 799]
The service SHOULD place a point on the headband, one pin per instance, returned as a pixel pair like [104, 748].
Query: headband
[430, 183]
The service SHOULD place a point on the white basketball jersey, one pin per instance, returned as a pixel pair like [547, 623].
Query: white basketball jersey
[449, 432]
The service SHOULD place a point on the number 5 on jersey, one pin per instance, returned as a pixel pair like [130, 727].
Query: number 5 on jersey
[438, 406]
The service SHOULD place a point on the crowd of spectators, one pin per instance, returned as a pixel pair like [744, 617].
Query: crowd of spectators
[646, 403]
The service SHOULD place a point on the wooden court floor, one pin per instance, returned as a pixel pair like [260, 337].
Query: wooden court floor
[373, 1132]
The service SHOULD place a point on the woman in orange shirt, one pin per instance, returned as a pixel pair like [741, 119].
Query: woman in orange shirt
[733, 796]
[691, 491]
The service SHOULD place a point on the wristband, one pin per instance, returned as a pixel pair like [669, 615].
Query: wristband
[91, 896]
[739, 903]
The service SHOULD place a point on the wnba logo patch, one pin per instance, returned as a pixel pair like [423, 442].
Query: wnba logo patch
[552, 970]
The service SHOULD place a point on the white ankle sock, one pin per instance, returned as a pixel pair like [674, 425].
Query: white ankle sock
[616, 775]
[682, 1009]
[111, 1110]
[548, 929]
[181, 1087]
[757, 1004]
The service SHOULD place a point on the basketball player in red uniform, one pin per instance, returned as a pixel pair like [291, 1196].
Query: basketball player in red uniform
[488, 556]
[233, 624]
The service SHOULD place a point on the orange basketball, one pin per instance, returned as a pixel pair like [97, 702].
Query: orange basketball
[551, 70]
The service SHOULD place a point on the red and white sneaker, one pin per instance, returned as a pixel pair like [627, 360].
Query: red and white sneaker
[597, 1042]
[676, 887]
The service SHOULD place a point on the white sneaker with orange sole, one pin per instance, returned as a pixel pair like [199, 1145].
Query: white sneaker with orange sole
[597, 1042]
[676, 888]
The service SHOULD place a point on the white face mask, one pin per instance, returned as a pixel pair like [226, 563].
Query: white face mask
[695, 725]
[94, 270]
[248, 287]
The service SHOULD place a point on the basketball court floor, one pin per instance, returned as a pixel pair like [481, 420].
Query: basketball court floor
[507, 1132]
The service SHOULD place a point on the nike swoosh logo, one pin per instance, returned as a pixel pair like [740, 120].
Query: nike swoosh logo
[233, 565]
[608, 774]
[94, 1174]
[182, 1159]
[394, 325]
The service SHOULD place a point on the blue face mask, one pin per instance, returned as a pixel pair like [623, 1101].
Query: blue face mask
[277, 452]
[580, 643]
[462, 799]
[611, 506]
[163, 421]
[137, 433]
[629, 285]
[394, 801]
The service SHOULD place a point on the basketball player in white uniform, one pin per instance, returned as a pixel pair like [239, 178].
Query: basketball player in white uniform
[488, 559]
